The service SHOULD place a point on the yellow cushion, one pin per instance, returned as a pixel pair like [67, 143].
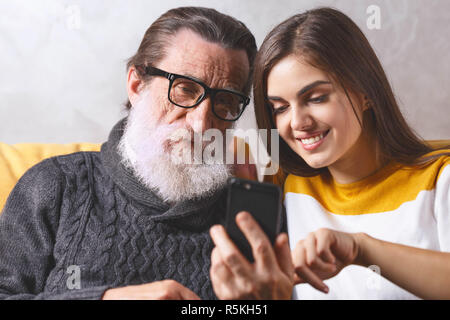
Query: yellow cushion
[437, 144]
[18, 158]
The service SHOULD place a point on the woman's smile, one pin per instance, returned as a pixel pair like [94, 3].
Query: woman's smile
[312, 141]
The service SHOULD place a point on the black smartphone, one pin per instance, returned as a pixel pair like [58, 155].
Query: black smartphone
[262, 200]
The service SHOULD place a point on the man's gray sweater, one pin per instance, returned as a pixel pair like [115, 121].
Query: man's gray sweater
[86, 212]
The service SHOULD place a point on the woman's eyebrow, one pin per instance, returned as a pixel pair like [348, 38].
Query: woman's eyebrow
[311, 86]
[304, 89]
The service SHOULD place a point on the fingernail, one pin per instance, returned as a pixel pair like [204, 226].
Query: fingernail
[243, 215]
[214, 229]
[326, 289]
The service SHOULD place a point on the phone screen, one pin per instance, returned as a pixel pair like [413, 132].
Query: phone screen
[262, 200]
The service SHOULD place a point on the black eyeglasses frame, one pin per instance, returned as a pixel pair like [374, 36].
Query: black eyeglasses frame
[211, 92]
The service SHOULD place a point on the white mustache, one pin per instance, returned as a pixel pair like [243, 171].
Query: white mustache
[187, 136]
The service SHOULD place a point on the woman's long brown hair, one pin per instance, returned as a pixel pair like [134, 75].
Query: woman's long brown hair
[332, 42]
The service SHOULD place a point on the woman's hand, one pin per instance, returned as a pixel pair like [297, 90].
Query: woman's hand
[158, 290]
[322, 255]
[271, 276]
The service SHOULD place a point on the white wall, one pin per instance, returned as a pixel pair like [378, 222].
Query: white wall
[62, 66]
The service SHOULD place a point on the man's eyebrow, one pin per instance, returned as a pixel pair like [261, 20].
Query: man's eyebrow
[304, 89]
[192, 77]
[232, 88]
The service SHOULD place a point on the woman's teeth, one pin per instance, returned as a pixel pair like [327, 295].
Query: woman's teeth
[312, 139]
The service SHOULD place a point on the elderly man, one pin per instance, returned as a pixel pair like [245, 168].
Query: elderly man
[129, 222]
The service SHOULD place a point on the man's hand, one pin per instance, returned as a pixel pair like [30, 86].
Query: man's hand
[322, 255]
[158, 290]
[246, 170]
[271, 276]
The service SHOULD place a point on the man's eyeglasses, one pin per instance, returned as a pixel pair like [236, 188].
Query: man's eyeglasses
[187, 92]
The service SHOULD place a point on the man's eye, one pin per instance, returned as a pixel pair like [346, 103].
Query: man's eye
[188, 90]
[224, 102]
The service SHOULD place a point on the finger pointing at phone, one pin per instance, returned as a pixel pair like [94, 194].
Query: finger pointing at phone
[270, 276]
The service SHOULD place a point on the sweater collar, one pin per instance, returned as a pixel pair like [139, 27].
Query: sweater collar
[194, 212]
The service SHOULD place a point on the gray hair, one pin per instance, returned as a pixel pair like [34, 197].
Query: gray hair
[210, 24]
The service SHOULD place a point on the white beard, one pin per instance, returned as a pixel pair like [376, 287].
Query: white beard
[145, 148]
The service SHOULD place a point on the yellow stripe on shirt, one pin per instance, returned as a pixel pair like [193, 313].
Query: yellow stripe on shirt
[383, 191]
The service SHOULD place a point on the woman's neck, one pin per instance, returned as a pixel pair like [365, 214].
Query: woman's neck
[358, 163]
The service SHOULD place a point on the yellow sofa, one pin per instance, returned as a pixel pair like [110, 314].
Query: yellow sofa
[18, 158]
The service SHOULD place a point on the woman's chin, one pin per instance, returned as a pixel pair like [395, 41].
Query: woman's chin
[317, 162]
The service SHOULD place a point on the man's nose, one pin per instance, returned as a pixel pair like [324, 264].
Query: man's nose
[301, 119]
[201, 118]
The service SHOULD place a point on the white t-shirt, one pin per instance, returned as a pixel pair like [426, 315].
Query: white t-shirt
[400, 204]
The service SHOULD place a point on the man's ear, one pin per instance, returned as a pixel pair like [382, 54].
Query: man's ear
[133, 85]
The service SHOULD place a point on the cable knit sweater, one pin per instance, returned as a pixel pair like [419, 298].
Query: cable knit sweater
[87, 210]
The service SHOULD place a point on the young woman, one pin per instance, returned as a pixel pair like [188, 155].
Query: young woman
[362, 190]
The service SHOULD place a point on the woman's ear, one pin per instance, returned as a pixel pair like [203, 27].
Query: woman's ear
[133, 84]
[366, 104]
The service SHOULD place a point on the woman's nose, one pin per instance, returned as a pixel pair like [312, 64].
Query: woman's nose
[301, 119]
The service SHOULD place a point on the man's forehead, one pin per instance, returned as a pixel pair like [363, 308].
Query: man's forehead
[191, 55]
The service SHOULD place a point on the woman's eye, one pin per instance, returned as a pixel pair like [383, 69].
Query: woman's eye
[279, 110]
[320, 99]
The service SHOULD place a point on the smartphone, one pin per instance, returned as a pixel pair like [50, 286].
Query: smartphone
[262, 200]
